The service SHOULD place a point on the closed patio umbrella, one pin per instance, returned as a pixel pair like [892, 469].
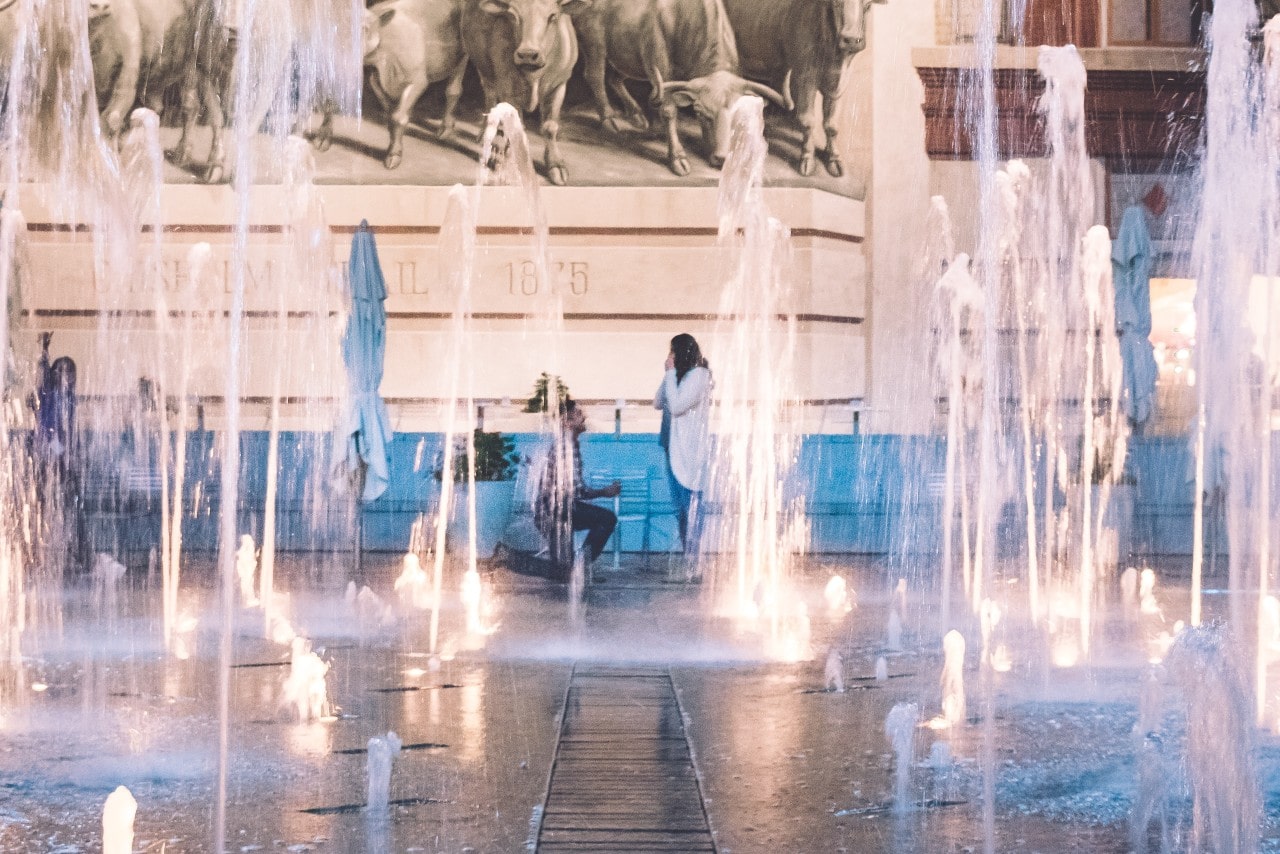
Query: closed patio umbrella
[1131, 273]
[362, 440]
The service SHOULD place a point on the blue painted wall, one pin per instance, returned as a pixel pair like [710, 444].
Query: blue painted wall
[868, 494]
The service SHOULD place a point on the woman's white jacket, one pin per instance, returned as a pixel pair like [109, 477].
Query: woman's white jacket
[689, 405]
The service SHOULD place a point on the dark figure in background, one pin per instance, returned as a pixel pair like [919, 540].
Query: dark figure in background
[55, 457]
[55, 407]
[563, 500]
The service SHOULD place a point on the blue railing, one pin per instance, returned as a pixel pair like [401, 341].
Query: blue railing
[867, 494]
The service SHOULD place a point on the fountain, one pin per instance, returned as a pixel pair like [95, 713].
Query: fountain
[953, 696]
[304, 692]
[833, 673]
[1022, 364]
[900, 729]
[117, 822]
[247, 571]
[758, 522]
[382, 754]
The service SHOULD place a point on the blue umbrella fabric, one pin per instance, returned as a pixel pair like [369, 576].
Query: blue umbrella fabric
[365, 432]
[1131, 274]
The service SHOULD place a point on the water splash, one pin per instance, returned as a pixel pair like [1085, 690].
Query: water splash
[107, 574]
[304, 692]
[893, 632]
[247, 570]
[757, 520]
[477, 606]
[1032, 375]
[900, 729]
[1221, 740]
[953, 696]
[383, 751]
[117, 822]
[1152, 801]
[833, 673]
[413, 586]
[505, 161]
[836, 594]
[457, 242]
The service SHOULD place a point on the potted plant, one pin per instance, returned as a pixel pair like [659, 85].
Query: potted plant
[496, 464]
[545, 389]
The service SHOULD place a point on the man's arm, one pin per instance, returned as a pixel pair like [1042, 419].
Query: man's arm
[587, 493]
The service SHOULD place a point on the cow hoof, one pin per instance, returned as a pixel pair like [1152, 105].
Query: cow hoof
[112, 124]
[835, 168]
[806, 165]
[214, 174]
[680, 165]
[445, 130]
[613, 124]
[322, 141]
[392, 160]
[558, 175]
[639, 120]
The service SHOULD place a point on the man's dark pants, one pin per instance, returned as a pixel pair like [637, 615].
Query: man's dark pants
[598, 521]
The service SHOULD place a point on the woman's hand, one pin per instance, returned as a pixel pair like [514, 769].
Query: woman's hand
[671, 361]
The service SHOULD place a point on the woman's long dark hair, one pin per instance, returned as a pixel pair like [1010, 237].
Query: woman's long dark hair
[688, 355]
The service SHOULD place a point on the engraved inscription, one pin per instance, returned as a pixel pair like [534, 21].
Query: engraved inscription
[572, 277]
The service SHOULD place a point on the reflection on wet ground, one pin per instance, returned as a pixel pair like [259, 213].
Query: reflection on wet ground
[671, 719]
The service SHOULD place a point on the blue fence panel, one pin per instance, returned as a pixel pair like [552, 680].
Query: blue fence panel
[872, 494]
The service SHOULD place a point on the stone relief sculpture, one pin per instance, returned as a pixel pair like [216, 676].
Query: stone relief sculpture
[524, 51]
[408, 45]
[127, 44]
[685, 49]
[178, 58]
[810, 42]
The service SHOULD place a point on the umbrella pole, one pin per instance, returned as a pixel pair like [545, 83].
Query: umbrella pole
[358, 492]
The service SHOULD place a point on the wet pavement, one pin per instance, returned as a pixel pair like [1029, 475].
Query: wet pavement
[636, 722]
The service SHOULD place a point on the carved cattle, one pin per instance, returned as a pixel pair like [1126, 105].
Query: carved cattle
[408, 45]
[810, 40]
[685, 49]
[524, 51]
[209, 84]
[209, 66]
[127, 43]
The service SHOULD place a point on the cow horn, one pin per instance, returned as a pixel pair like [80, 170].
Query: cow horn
[768, 94]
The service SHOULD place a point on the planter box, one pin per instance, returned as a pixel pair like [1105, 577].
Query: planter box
[493, 513]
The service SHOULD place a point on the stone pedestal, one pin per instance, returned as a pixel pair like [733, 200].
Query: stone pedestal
[632, 266]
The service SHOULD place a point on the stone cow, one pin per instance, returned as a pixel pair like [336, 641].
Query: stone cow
[208, 69]
[687, 52]
[209, 85]
[524, 51]
[409, 44]
[812, 41]
[127, 43]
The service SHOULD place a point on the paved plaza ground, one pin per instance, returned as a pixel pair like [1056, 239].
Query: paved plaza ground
[638, 723]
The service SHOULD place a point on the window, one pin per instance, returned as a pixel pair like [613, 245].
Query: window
[1153, 22]
[1059, 22]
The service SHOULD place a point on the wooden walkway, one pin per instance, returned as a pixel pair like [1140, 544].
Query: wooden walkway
[623, 777]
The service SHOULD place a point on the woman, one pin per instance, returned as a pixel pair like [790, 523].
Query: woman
[685, 400]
